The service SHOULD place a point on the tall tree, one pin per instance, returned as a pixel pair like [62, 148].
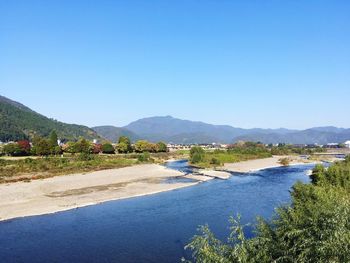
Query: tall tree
[124, 145]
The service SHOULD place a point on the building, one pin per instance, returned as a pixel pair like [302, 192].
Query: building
[347, 144]
[332, 145]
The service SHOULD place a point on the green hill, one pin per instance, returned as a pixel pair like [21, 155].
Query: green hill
[113, 133]
[19, 122]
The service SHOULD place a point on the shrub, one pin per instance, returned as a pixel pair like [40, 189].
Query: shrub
[196, 154]
[284, 161]
[13, 149]
[161, 147]
[214, 161]
[144, 157]
[108, 148]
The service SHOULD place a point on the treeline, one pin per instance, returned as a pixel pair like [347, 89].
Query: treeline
[315, 228]
[285, 149]
[49, 146]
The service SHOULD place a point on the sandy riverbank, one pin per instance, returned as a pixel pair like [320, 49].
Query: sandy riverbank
[260, 164]
[71, 191]
[61, 193]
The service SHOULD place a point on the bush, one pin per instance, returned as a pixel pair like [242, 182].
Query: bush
[12, 149]
[108, 148]
[214, 161]
[284, 161]
[161, 147]
[197, 154]
[144, 157]
[86, 157]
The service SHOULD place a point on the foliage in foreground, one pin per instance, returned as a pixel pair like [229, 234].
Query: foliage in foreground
[315, 228]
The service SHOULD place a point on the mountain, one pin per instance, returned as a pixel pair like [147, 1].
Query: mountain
[113, 133]
[314, 135]
[17, 121]
[174, 130]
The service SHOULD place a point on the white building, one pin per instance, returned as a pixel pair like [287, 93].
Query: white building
[347, 144]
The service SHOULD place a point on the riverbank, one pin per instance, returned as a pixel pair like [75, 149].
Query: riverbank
[61, 193]
[260, 164]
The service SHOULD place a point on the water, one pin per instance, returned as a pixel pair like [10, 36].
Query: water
[153, 228]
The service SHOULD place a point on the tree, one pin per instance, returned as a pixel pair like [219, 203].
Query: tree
[108, 148]
[124, 145]
[143, 146]
[161, 147]
[53, 139]
[41, 146]
[12, 149]
[96, 148]
[197, 154]
[70, 147]
[83, 146]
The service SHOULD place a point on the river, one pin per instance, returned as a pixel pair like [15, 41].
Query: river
[152, 228]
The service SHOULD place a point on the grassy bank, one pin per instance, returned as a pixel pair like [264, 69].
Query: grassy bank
[29, 168]
[209, 159]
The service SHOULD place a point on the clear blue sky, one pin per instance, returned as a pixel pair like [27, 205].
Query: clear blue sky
[243, 63]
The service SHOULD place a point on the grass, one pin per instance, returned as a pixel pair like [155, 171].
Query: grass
[30, 168]
[219, 158]
[27, 168]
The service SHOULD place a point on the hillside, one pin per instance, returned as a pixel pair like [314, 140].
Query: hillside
[19, 122]
[174, 130]
[113, 133]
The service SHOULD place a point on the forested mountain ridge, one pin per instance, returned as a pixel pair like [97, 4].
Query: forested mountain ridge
[20, 122]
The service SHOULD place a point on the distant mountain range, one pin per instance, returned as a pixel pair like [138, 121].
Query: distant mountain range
[18, 122]
[174, 130]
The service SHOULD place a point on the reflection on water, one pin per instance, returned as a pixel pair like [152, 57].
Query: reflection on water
[152, 228]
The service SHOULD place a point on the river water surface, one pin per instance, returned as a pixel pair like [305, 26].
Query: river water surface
[152, 228]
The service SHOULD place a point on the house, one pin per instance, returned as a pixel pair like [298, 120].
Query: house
[347, 144]
[332, 145]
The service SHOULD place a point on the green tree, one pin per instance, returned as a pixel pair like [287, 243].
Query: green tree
[197, 154]
[12, 149]
[108, 148]
[41, 146]
[144, 146]
[53, 139]
[124, 145]
[83, 146]
[161, 147]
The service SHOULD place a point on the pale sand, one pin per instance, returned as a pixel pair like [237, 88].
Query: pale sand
[260, 164]
[71, 191]
[214, 173]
